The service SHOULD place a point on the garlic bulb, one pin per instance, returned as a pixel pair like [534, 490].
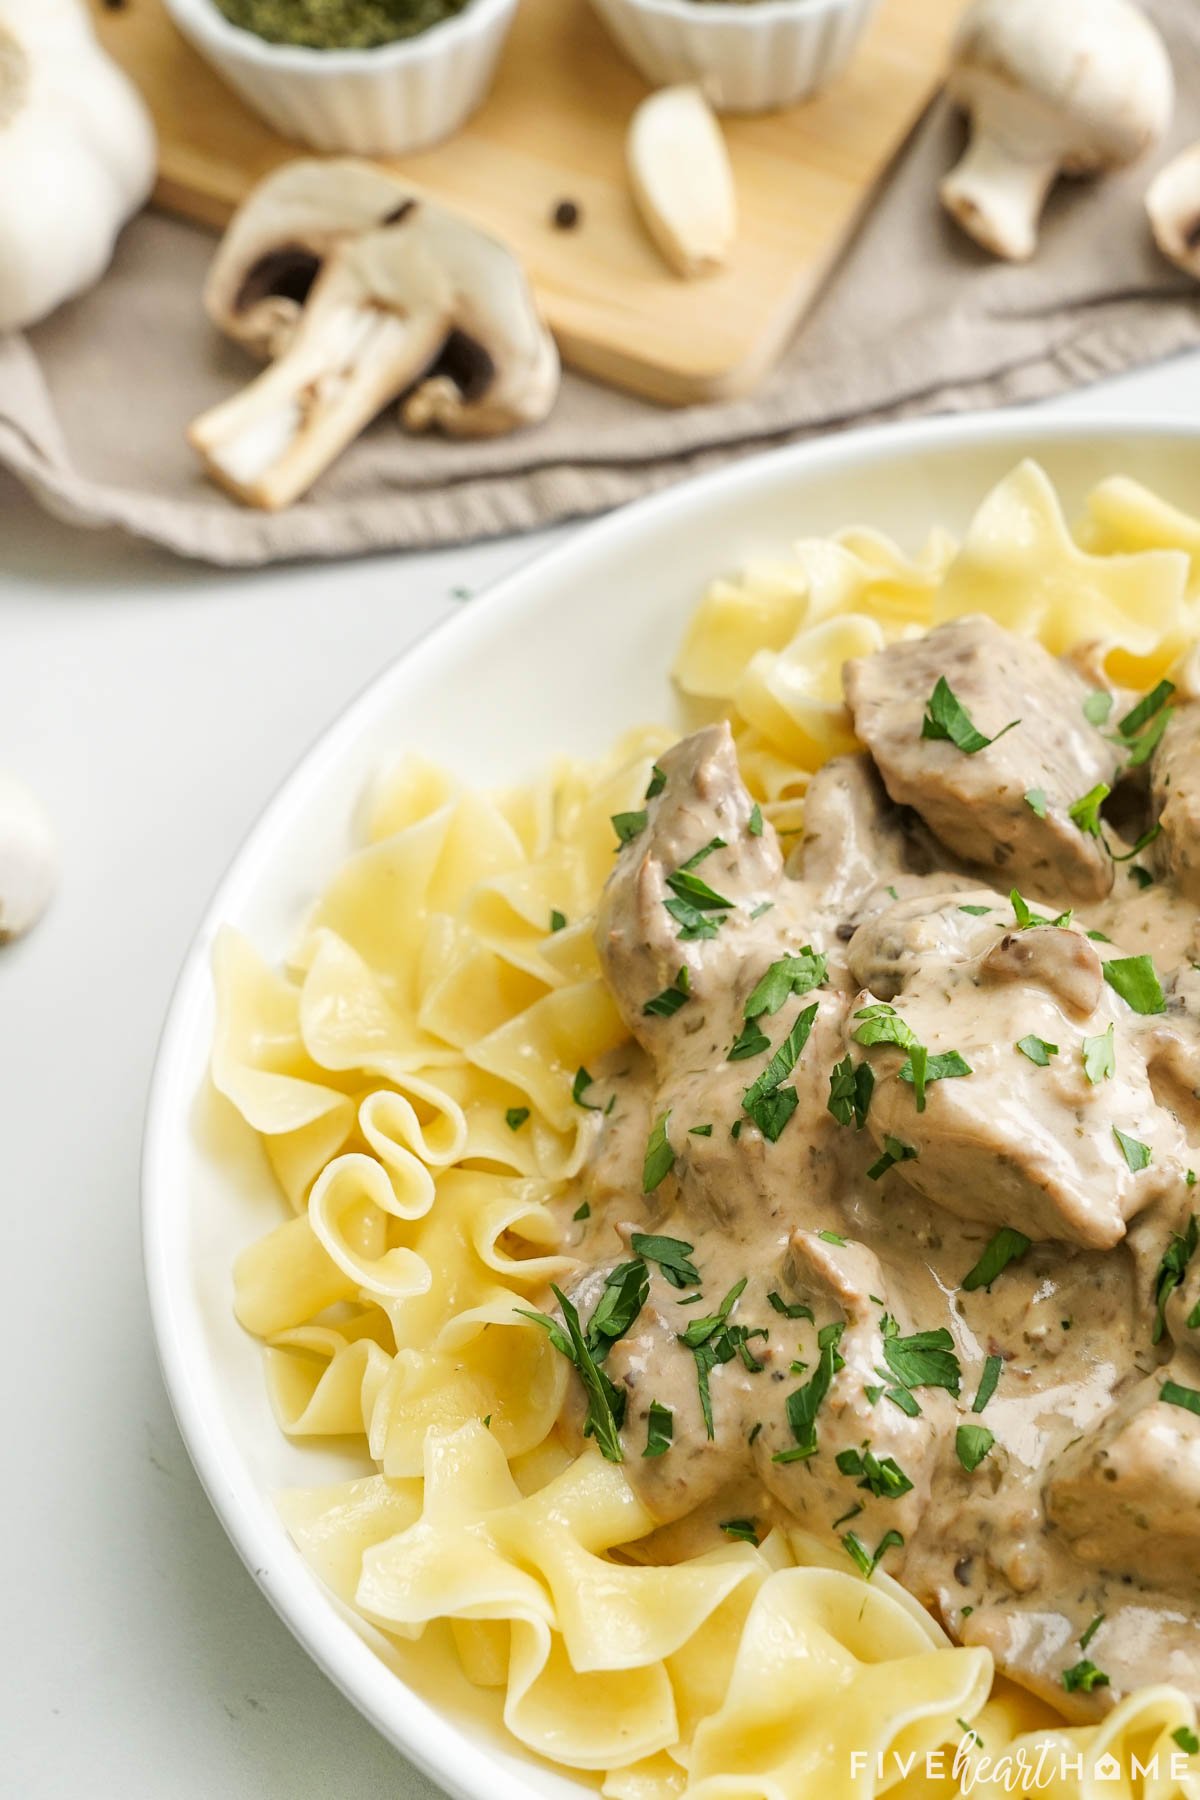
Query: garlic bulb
[77, 156]
[28, 860]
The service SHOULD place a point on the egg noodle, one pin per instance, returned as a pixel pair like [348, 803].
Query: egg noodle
[410, 1078]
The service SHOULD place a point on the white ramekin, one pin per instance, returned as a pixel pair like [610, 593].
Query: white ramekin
[748, 58]
[397, 98]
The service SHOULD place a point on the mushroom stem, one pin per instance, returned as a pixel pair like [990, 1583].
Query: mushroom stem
[997, 197]
[382, 299]
[270, 442]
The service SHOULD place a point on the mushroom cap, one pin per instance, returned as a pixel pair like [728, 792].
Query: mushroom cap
[1173, 203]
[280, 237]
[419, 306]
[1087, 83]
[28, 859]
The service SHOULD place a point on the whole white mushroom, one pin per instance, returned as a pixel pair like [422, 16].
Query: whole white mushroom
[28, 859]
[77, 156]
[1051, 87]
[1173, 204]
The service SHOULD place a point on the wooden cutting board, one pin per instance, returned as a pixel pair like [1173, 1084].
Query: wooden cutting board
[553, 128]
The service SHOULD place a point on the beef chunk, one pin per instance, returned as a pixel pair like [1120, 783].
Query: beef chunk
[975, 803]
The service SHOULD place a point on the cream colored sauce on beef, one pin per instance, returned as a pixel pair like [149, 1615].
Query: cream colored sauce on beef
[1088, 1503]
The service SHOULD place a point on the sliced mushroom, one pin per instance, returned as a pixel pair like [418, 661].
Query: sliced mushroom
[28, 861]
[278, 240]
[682, 179]
[1173, 204]
[424, 308]
[1052, 87]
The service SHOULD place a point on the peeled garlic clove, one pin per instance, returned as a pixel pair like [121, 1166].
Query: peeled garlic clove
[28, 860]
[682, 179]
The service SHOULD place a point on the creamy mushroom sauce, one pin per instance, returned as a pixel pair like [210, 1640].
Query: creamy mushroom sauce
[1087, 1504]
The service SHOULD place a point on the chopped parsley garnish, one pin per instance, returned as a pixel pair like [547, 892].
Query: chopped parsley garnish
[881, 1476]
[1136, 980]
[660, 1158]
[658, 782]
[515, 1117]
[558, 920]
[1086, 810]
[582, 1212]
[1186, 1739]
[1037, 1050]
[764, 906]
[660, 1429]
[1142, 877]
[804, 1403]
[621, 1300]
[668, 1003]
[1099, 937]
[1171, 1271]
[693, 862]
[1007, 1245]
[768, 1104]
[741, 1529]
[831, 1237]
[947, 717]
[790, 1309]
[579, 1087]
[1136, 1154]
[713, 1341]
[1035, 799]
[1143, 843]
[882, 1024]
[755, 825]
[893, 1152]
[976, 912]
[1083, 1677]
[1173, 1394]
[700, 1330]
[971, 1445]
[672, 1256]
[1028, 920]
[692, 901]
[752, 1040]
[987, 1383]
[1097, 706]
[1152, 713]
[942, 1067]
[1091, 1631]
[798, 974]
[628, 825]
[924, 1359]
[898, 1396]
[864, 1561]
[1099, 1056]
[699, 1130]
[850, 1090]
[606, 1403]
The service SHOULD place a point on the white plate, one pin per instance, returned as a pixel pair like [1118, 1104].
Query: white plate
[559, 657]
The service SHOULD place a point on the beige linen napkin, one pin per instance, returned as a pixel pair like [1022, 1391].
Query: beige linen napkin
[93, 403]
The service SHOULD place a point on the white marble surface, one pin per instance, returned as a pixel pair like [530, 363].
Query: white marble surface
[154, 706]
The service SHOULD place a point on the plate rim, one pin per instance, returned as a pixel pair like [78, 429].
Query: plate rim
[427, 1737]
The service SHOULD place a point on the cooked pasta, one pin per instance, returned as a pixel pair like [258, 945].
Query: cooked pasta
[414, 1075]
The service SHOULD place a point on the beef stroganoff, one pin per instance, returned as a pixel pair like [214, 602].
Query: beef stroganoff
[743, 1190]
